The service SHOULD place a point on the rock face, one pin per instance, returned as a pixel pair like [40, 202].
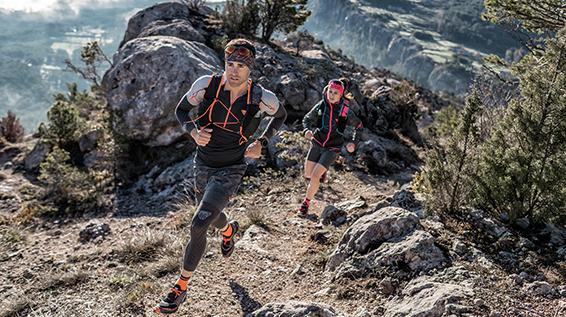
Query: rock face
[148, 78]
[387, 238]
[295, 309]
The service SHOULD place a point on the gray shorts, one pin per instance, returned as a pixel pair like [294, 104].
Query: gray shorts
[322, 156]
[225, 179]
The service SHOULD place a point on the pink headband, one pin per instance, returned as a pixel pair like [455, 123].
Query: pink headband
[336, 85]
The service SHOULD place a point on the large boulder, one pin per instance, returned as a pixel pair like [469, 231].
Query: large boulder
[168, 11]
[148, 78]
[387, 238]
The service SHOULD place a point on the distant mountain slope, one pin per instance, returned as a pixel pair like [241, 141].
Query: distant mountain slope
[437, 43]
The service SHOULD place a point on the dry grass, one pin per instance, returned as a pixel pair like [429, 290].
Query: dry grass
[145, 246]
[184, 208]
[23, 307]
[140, 289]
[255, 217]
[122, 280]
[9, 236]
[3, 176]
[66, 280]
[167, 266]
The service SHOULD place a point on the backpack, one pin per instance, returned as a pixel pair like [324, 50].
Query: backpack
[251, 119]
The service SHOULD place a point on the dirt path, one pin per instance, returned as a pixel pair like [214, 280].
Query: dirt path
[50, 273]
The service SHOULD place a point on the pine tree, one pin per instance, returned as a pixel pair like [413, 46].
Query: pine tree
[523, 167]
[449, 173]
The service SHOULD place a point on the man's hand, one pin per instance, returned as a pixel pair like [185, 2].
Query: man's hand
[253, 150]
[350, 147]
[308, 135]
[202, 136]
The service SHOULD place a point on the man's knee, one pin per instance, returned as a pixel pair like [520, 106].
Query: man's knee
[204, 216]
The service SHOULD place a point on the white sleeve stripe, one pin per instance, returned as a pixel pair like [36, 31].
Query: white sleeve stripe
[196, 94]
[270, 101]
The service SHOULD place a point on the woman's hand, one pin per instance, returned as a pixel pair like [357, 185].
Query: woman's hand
[350, 147]
[308, 135]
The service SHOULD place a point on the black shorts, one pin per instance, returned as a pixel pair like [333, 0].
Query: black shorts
[322, 156]
[219, 179]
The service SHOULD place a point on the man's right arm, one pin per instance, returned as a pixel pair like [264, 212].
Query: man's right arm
[190, 101]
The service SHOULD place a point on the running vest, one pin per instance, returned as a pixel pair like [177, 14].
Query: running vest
[232, 125]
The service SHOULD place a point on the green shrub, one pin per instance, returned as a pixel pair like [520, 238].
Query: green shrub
[68, 186]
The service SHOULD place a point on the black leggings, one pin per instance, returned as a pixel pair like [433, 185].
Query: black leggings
[213, 188]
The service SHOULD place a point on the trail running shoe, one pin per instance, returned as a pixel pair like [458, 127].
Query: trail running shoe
[303, 211]
[227, 244]
[172, 301]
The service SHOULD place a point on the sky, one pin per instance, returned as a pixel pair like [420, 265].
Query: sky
[53, 6]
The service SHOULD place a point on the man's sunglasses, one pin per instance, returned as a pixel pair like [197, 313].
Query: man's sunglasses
[239, 50]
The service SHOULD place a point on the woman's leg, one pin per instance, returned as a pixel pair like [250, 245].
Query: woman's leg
[309, 167]
[314, 183]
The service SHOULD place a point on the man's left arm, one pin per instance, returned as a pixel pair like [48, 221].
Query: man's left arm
[270, 105]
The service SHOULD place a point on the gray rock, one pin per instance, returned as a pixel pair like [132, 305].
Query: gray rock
[386, 238]
[523, 223]
[88, 141]
[177, 28]
[556, 235]
[165, 11]
[295, 309]
[525, 276]
[372, 230]
[378, 154]
[175, 174]
[92, 158]
[285, 152]
[487, 224]
[561, 290]
[540, 288]
[251, 238]
[36, 156]
[333, 215]
[94, 231]
[526, 244]
[459, 247]
[516, 279]
[321, 236]
[388, 285]
[148, 78]
[479, 302]
[422, 297]
[349, 205]
[409, 200]
[293, 90]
